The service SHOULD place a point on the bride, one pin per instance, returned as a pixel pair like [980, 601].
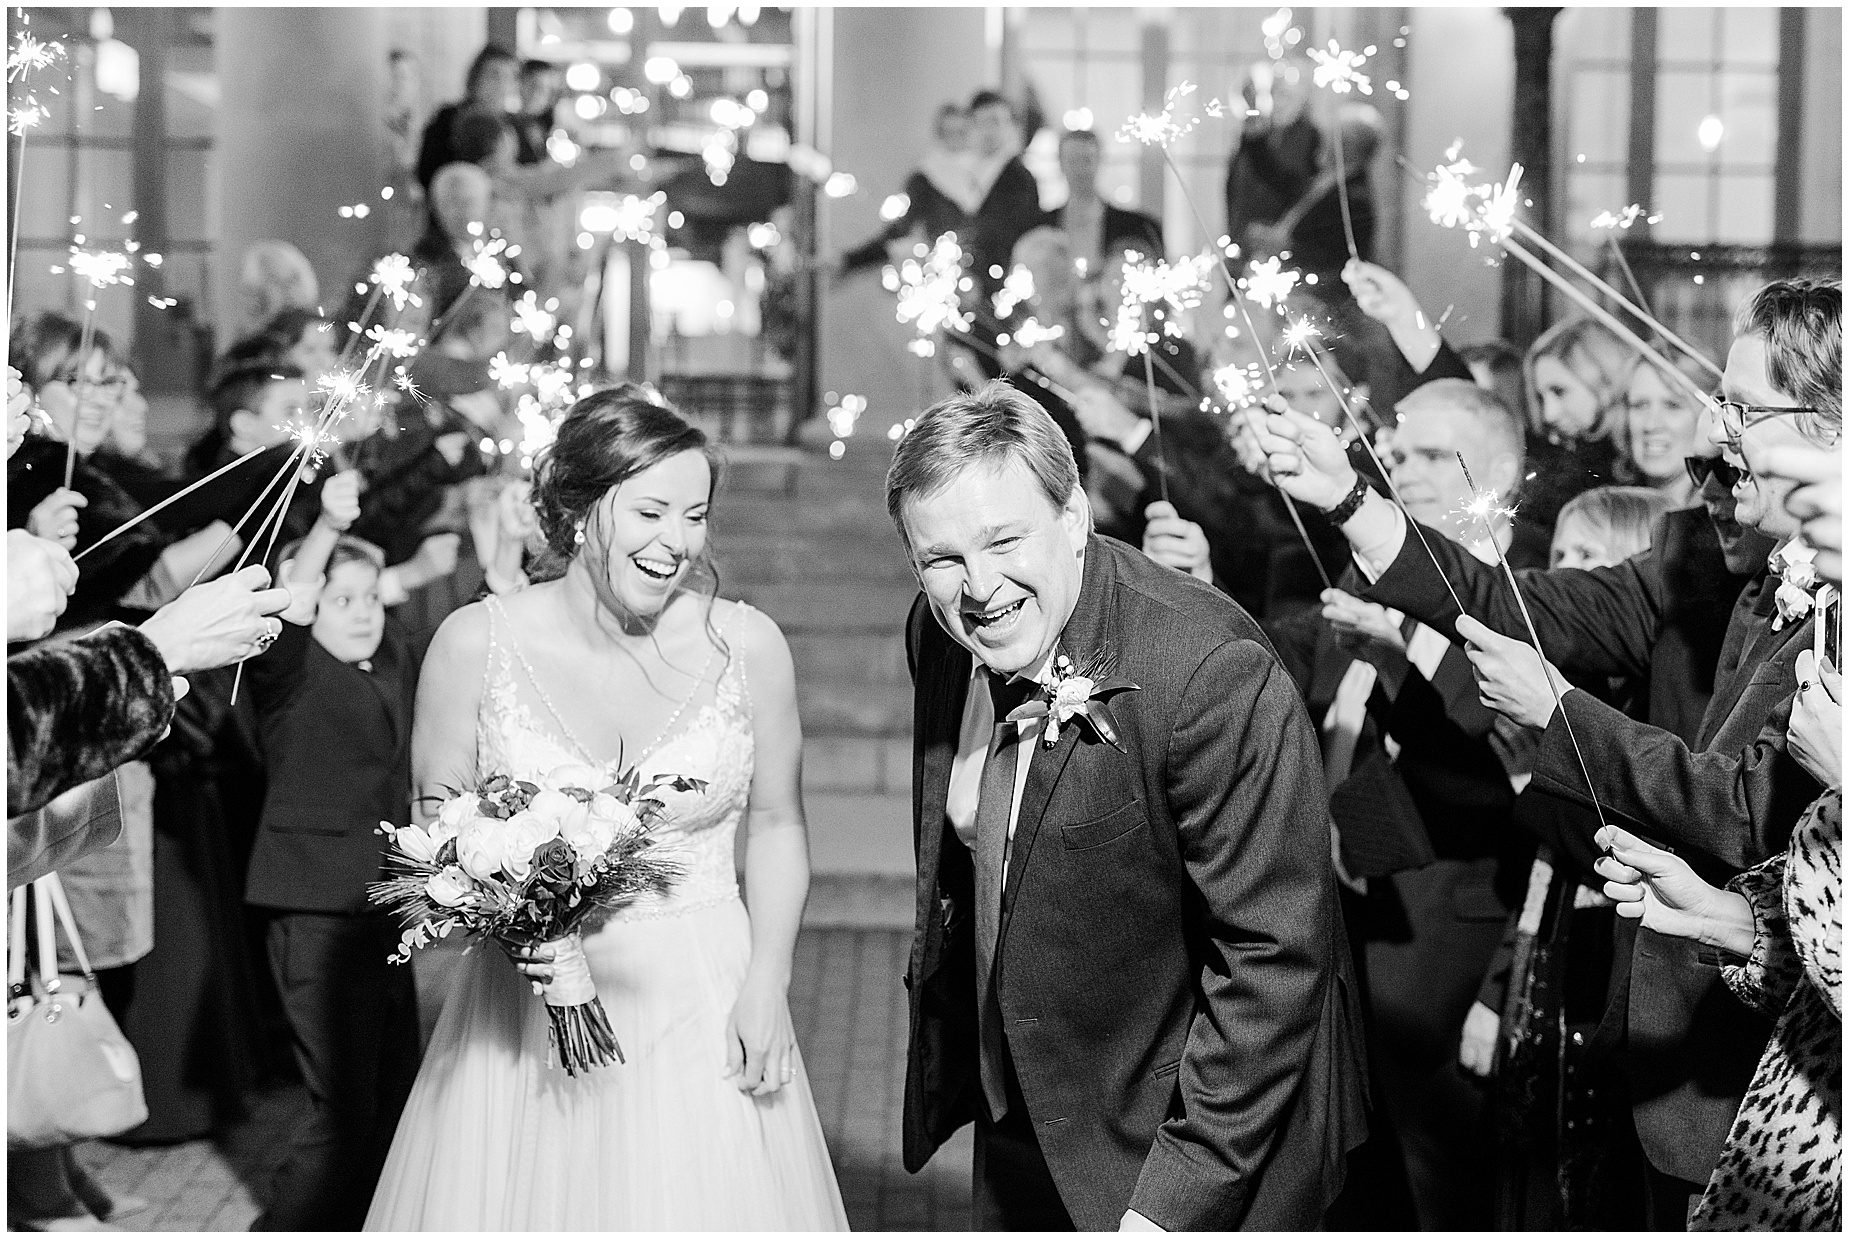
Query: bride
[625, 660]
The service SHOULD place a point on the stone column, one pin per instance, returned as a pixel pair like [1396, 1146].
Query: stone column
[1531, 144]
[300, 133]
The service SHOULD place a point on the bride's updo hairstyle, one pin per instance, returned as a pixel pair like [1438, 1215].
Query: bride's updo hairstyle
[604, 440]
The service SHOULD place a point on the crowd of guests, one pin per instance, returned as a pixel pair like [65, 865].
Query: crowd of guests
[1546, 948]
[1593, 902]
[198, 691]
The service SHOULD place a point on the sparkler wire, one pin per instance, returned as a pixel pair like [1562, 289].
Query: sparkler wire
[1155, 424]
[1258, 343]
[1579, 269]
[1534, 639]
[145, 513]
[1341, 192]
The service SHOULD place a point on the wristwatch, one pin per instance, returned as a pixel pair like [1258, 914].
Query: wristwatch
[1351, 503]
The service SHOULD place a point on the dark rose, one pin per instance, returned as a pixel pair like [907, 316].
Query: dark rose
[555, 864]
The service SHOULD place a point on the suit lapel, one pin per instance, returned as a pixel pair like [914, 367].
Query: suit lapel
[943, 683]
[1089, 633]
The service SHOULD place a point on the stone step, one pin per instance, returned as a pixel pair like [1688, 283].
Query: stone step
[876, 659]
[869, 607]
[853, 763]
[852, 707]
[769, 555]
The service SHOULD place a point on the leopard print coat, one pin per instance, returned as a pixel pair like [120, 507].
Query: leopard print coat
[1781, 1169]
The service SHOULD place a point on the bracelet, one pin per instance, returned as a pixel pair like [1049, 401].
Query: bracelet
[1351, 503]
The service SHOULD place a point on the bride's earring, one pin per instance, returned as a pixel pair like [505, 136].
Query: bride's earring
[578, 538]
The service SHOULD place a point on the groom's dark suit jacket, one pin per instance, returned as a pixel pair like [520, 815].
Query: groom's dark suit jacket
[1173, 975]
[1712, 779]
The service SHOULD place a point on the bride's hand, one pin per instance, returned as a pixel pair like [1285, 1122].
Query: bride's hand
[534, 962]
[760, 1040]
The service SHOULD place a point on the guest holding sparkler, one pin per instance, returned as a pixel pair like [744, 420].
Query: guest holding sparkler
[1727, 792]
[305, 339]
[334, 697]
[1422, 794]
[77, 396]
[1276, 156]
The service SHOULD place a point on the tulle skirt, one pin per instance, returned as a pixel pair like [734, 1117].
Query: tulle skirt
[494, 1137]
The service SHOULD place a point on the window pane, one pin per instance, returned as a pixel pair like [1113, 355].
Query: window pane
[1685, 34]
[1749, 109]
[187, 190]
[35, 288]
[1600, 125]
[1751, 36]
[1745, 210]
[110, 177]
[44, 193]
[192, 93]
[1047, 30]
[1682, 100]
[1683, 202]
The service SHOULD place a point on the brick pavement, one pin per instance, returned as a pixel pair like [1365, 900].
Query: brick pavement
[849, 1010]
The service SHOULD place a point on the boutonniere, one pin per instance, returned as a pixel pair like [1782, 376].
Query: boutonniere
[1076, 692]
[1797, 582]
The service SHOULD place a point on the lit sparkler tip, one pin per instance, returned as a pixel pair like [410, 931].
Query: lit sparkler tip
[1339, 70]
[930, 291]
[1163, 127]
[394, 275]
[1298, 332]
[102, 268]
[30, 53]
[1269, 283]
[392, 341]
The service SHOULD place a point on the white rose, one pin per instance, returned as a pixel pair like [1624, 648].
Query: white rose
[589, 778]
[552, 808]
[451, 887]
[1074, 692]
[457, 810]
[480, 846]
[590, 837]
[523, 833]
[415, 842]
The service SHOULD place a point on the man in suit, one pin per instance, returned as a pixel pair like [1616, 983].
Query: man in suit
[1422, 801]
[1007, 194]
[1129, 968]
[1731, 797]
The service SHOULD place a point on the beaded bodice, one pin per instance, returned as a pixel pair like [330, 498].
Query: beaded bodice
[713, 743]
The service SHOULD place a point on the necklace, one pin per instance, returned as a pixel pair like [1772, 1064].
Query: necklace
[565, 728]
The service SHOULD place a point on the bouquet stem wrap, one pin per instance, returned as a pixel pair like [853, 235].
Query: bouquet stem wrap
[581, 1029]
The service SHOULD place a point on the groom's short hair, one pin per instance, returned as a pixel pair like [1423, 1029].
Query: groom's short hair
[988, 426]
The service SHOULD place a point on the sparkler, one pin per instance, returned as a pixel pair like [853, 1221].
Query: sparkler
[1485, 507]
[1611, 225]
[1339, 71]
[27, 54]
[931, 293]
[1030, 333]
[101, 269]
[1018, 287]
[1163, 292]
[1269, 284]
[145, 513]
[1144, 129]
[1163, 127]
[1489, 211]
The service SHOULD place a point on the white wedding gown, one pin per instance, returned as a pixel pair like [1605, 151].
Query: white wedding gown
[495, 1137]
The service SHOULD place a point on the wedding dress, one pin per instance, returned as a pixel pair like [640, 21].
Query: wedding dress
[496, 1137]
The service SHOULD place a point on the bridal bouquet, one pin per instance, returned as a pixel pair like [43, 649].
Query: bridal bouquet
[524, 864]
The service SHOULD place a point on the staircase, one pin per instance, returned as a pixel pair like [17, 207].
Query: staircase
[806, 540]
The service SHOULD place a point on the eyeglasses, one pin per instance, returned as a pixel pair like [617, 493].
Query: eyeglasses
[1734, 415]
[1701, 468]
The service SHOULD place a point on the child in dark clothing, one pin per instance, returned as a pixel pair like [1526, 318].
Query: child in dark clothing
[334, 697]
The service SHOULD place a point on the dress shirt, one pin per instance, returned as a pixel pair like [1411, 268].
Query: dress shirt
[973, 741]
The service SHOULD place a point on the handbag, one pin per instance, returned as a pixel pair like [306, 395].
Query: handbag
[71, 1074]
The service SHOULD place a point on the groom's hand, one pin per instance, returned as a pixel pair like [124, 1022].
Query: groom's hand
[1304, 456]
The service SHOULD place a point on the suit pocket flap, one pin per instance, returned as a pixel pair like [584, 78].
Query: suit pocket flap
[1099, 830]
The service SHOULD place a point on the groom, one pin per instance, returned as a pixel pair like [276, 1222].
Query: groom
[1129, 968]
